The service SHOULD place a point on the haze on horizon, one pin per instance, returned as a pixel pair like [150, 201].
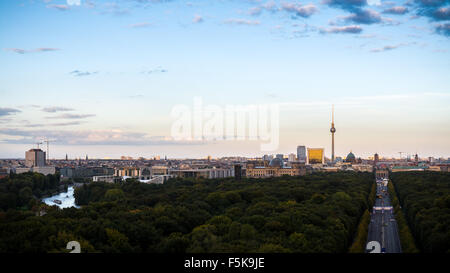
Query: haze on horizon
[101, 78]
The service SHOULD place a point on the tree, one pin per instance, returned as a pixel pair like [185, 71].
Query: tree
[114, 195]
[117, 241]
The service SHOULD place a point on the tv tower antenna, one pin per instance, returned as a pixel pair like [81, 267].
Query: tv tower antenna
[332, 130]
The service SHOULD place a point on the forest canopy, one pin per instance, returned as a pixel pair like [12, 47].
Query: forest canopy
[318, 213]
[425, 201]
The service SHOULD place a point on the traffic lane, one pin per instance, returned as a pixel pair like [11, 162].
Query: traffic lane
[398, 245]
[375, 227]
[392, 234]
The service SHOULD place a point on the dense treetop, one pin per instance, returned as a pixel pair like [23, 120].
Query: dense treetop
[314, 213]
[425, 199]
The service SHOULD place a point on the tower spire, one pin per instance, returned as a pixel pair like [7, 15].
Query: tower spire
[332, 130]
[332, 114]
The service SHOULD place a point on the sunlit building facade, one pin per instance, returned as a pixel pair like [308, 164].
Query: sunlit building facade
[315, 155]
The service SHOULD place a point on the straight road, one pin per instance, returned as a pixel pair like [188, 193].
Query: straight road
[383, 227]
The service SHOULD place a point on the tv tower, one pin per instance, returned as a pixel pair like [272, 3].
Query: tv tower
[332, 130]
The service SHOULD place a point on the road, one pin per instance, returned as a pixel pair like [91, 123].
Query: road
[383, 227]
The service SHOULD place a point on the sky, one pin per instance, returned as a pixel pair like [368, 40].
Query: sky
[101, 78]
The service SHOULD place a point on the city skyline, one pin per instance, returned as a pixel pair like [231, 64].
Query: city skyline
[101, 78]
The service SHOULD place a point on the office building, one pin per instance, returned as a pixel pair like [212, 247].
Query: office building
[203, 173]
[35, 158]
[238, 172]
[291, 157]
[301, 154]
[315, 155]
[274, 169]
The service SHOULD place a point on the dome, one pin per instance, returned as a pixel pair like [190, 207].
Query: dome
[350, 157]
[276, 162]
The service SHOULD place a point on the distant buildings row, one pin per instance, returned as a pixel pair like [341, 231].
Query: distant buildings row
[311, 156]
[306, 161]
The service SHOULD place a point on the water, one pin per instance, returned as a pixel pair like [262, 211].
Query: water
[67, 199]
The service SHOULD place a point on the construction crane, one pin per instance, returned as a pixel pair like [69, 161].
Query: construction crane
[38, 143]
[48, 149]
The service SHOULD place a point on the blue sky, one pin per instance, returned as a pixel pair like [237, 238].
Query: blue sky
[102, 77]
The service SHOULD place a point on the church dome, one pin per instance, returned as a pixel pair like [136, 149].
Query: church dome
[276, 162]
[350, 157]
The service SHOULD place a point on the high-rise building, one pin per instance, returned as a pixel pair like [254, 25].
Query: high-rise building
[291, 157]
[376, 159]
[280, 156]
[238, 172]
[315, 155]
[332, 130]
[35, 158]
[301, 153]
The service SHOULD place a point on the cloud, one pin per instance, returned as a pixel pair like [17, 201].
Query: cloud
[153, 1]
[197, 19]
[304, 11]
[398, 10]
[387, 48]
[345, 29]
[138, 96]
[156, 70]
[16, 50]
[59, 7]
[255, 11]
[436, 10]
[349, 5]
[114, 9]
[140, 25]
[441, 14]
[54, 109]
[37, 50]
[59, 124]
[358, 15]
[71, 123]
[269, 6]
[78, 73]
[8, 111]
[297, 9]
[443, 29]
[364, 17]
[90, 137]
[71, 116]
[234, 21]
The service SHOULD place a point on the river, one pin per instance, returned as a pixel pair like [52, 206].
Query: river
[67, 199]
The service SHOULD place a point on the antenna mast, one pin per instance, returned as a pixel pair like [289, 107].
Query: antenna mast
[48, 150]
[332, 130]
[332, 114]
